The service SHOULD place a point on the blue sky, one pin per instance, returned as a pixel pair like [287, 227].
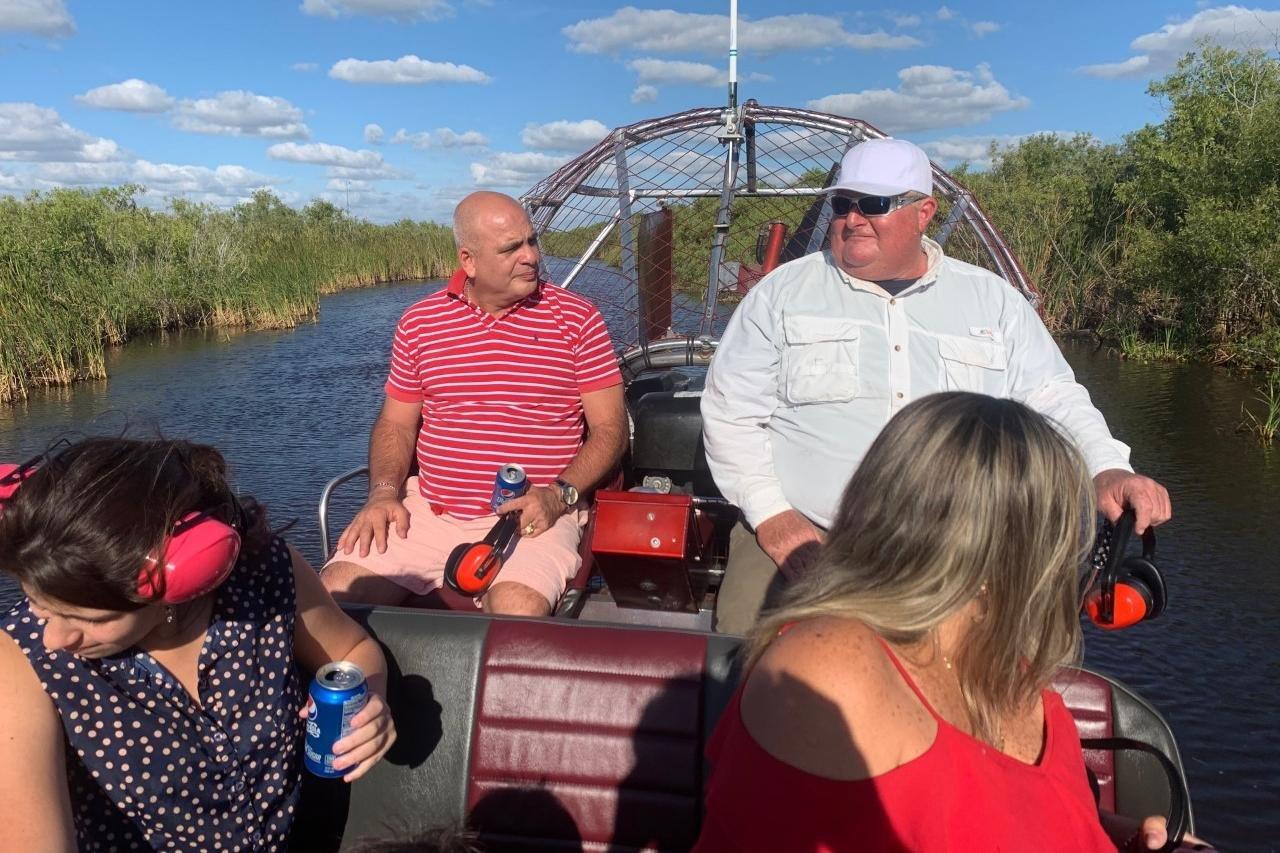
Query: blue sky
[400, 107]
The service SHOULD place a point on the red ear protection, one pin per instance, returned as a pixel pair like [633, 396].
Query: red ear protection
[1128, 590]
[12, 476]
[473, 566]
[198, 555]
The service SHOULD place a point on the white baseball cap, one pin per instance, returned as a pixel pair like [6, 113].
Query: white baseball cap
[885, 167]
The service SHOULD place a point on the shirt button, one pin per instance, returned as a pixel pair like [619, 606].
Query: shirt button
[899, 395]
[897, 347]
[893, 302]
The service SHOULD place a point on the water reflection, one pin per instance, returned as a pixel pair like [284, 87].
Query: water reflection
[290, 409]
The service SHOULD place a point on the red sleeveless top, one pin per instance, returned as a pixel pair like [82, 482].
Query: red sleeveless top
[960, 794]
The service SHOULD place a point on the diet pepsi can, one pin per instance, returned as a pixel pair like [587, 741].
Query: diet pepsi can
[338, 692]
[510, 483]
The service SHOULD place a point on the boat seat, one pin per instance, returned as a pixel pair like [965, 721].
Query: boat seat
[561, 735]
[544, 734]
[1129, 782]
[668, 440]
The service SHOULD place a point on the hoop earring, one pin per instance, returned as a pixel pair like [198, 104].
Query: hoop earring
[984, 604]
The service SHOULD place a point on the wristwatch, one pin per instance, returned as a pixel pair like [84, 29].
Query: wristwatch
[568, 493]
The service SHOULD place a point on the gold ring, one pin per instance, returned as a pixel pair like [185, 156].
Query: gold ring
[528, 529]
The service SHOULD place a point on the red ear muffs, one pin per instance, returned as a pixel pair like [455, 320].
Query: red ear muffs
[473, 566]
[13, 476]
[198, 556]
[1129, 590]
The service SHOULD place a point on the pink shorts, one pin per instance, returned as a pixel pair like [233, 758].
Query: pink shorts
[545, 563]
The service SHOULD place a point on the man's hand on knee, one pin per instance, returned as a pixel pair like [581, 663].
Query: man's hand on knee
[791, 541]
[371, 523]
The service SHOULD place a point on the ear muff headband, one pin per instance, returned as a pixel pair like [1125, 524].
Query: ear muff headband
[198, 555]
[473, 566]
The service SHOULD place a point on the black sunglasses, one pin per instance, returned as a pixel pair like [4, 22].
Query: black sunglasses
[871, 205]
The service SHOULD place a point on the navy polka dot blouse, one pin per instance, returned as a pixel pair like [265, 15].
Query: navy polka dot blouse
[148, 768]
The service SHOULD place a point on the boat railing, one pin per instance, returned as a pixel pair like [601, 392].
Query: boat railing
[326, 495]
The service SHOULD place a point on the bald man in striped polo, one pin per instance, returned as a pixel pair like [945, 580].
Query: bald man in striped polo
[499, 366]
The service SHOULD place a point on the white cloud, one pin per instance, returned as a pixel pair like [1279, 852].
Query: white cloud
[37, 134]
[1230, 26]
[239, 113]
[669, 31]
[373, 134]
[168, 177]
[906, 20]
[675, 71]
[983, 28]
[944, 14]
[976, 150]
[681, 72]
[405, 11]
[644, 94]
[508, 169]
[324, 154]
[342, 162]
[374, 173]
[133, 95]
[349, 185]
[928, 96]
[304, 66]
[1132, 65]
[441, 137]
[42, 17]
[564, 135]
[407, 70]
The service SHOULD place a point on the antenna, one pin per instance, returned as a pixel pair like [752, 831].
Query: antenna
[733, 54]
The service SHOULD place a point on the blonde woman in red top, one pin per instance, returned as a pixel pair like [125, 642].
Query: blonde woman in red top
[899, 699]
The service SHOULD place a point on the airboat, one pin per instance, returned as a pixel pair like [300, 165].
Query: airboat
[597, 715]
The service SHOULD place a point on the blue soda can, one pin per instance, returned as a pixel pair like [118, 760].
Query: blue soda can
[338, 692]
[510, 483]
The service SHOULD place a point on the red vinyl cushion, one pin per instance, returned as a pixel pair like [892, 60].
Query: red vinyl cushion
[1088, 698]
[607, 722]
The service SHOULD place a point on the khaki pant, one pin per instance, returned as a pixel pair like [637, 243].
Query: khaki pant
[751, 583]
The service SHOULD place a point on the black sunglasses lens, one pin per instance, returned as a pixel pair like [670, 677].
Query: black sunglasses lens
[841, 205]
[874, 205]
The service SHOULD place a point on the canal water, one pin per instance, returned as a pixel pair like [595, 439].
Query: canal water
[291, 409]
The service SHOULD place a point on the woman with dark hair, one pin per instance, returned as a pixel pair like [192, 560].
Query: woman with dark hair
[151, 698]
[899, 697]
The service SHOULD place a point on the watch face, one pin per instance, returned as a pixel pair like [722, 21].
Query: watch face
[568, 494]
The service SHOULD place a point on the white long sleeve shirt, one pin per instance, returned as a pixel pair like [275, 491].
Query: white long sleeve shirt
[814, 362]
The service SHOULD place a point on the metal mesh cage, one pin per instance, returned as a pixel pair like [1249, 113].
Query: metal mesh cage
[685, 202]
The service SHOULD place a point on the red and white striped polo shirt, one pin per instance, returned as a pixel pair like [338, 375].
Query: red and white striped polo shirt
[500, 390]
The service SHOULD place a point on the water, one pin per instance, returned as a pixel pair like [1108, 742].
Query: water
[291, 409]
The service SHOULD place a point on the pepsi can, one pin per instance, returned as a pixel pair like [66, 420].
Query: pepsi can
[510, 483]
[338, 692]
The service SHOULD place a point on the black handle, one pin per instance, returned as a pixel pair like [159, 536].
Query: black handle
[1179, 797]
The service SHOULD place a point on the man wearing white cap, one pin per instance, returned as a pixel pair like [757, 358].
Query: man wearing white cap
[824, 350]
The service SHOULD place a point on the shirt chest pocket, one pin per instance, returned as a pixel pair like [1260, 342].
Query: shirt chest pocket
[820, 360]
[969, 364]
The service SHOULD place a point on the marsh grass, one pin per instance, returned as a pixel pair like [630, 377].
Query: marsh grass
[81, 271]
[1266, 425]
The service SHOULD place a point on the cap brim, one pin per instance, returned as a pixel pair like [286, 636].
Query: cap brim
[871, 189]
